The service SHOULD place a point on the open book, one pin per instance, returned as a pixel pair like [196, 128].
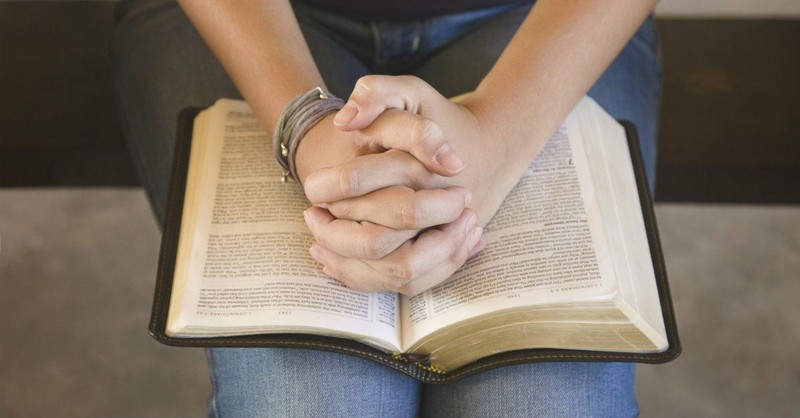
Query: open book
[572, 269]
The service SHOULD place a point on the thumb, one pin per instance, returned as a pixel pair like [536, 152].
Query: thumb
[374, 94]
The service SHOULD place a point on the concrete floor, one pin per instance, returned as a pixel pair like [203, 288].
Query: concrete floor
[77, 268]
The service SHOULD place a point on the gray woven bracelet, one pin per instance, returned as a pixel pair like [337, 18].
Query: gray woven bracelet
[300, 115]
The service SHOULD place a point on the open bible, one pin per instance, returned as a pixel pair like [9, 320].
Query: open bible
[572, 269]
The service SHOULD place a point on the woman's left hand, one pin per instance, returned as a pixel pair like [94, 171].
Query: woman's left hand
[432, 256]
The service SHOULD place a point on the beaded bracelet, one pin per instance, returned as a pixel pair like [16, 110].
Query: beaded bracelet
[300, 115]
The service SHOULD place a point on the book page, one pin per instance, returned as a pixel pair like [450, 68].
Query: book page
[545, 245]
[249, 269]
[623, 220]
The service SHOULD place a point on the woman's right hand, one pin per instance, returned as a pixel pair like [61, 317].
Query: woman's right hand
[411, 198]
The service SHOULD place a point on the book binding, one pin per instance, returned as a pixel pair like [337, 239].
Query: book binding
[413, 365]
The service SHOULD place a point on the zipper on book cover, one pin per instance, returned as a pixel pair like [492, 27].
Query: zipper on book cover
[422, 361]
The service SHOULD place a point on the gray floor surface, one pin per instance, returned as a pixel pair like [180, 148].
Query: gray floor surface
[77, 269]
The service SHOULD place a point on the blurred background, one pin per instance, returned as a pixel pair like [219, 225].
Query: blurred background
[78, 243]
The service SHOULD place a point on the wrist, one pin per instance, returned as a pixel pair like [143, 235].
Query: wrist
[299, 116]
[516, 132]
[322, 146]
[498, 155]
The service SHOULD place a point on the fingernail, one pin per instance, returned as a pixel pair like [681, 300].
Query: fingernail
[448, 159]
[480, 246]
[467, 197]
[345, 114]
[474, 236]
[309, 220]
[471, 218]
[328, 272]
[317, 254]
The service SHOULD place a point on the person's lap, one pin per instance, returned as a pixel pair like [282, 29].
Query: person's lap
[161, 66]
[294, 382]
[253, 382]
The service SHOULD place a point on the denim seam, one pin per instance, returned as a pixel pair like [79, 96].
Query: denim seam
[212, 401]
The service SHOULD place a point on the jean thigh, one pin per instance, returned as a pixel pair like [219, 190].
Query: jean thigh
[284, 382]
[538, 390]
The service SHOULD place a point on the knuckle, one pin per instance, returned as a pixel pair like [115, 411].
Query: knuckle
[420, 130]
[350, 284]
[431, 136]
[409, 289]
[412, 81]
[334, 272]
[419, 85]
[348, 182]
[391, 284]
[321, 237]
[410, 78]
[373, 245]
[403, 272]
[367, 83]
[419, 176]
[406, 215]
[458, 256]
[341, 209]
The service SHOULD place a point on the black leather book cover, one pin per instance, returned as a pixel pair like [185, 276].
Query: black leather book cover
[419, 370]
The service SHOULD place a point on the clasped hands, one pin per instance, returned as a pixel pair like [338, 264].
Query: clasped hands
[401, 180]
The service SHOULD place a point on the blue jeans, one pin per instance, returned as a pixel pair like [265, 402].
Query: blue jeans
[161, 65]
